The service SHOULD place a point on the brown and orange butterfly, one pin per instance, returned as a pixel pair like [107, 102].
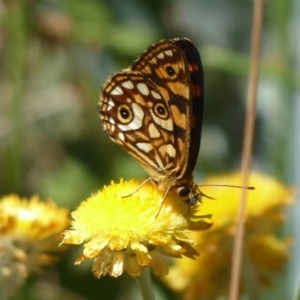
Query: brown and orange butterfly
[154, 109]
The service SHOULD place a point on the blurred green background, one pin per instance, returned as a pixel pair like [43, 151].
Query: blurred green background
[54, 58]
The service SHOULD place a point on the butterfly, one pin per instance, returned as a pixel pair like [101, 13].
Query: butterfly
[154, 111]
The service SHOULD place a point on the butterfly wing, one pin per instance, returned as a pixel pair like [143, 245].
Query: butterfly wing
[154, 109]
[185, 97]
[196, 89]
[137, 118]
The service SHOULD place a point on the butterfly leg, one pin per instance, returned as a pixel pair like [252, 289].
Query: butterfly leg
[204, 195]
[138, 188]
[163, 201]
[195, 197]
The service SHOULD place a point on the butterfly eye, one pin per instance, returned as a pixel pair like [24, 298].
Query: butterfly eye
[125, 114]
[170, 70]
[161, 111]
[183, 191]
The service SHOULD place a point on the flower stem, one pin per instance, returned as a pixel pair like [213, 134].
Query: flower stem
[145, 284]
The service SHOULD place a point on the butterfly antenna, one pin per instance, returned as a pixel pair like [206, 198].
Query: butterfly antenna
[228, 185]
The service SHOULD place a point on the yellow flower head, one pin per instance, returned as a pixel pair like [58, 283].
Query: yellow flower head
[264, 252]
[29, 230]
[125, 233]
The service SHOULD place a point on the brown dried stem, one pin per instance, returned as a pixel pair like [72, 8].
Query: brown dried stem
[247, 145]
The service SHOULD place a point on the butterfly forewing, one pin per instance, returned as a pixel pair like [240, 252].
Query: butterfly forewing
[196, 97]
[165, 64]
[154, 111]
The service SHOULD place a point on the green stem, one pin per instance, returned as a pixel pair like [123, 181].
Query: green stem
[145, 284]
[14, 22]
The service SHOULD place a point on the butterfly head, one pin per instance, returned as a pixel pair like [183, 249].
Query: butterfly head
[190, 194]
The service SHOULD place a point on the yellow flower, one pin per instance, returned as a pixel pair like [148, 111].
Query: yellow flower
[125, 233]
[29, 229]
[264, 252]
